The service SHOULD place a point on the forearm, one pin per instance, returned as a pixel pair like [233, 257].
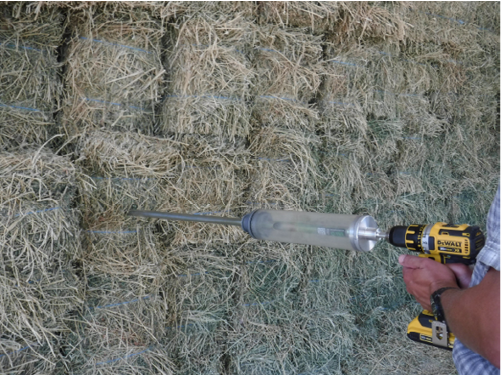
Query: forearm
[473, 316]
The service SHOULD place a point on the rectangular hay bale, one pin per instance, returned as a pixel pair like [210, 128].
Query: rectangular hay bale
[29, 69]
[40, 288]
[209, 76]
[114, 72]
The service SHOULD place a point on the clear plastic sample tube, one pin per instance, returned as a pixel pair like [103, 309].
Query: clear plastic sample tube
[350, 232]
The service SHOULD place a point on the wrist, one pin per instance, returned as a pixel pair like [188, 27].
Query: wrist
[434, 287]
[439, 307]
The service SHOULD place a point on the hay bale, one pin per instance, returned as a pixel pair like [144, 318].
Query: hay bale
[211, 179]
[291, 311]
[363, 21]
[29, 69]
[124, 252]
[381, 154]
[319, 17]
[340, 103]
[40, 244]
[209, 75]
[451, 22]
[191, 175]
[284, 170]
[261, 337]
[324, 322]
[286, 65]
[385, 82]
[122, 172]
[127, 154]
[341, 169]
[114, 72]
[203, 288]
[121, 327]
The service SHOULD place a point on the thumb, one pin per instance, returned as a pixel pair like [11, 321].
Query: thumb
[462, 272]
[410, 261]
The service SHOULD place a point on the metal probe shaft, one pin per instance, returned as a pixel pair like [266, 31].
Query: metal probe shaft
[188, 217]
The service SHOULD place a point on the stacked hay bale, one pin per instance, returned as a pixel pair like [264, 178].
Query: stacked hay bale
[132, 171]
[209, 73]
[123, 323]
[396, 163]
[123, 267]
[387, 109]
[113, 69]
[149, 173]
[261, 337]
[323, 321]
[31, 89]
[424, 122]
[204, 292]
[211, 179]
[319, 17]
[40, 244]
[284, 169]
[283, 137]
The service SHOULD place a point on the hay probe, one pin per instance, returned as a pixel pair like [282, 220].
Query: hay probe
[441, 242]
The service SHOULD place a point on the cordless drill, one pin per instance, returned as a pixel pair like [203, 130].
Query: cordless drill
[443, 243]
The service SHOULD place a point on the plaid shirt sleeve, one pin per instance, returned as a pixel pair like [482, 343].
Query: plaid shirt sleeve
[466, 361]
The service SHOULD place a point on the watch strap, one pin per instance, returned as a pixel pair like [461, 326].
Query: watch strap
[437, 307]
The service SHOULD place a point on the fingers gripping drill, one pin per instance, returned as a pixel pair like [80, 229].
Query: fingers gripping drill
[442, 242]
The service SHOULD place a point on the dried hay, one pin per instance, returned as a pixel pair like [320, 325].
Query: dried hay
[204, 292]
[261, 337]
[367, 120]
[291, 312]
[318, 17]
[19, 358]
[285, 61]
[211, 179]
[284, 171]
[458, 24]
[121, 328]
[340, 102]
[381, 153]
[114, 72]
[128, 154]
[188, 9]
[132, 252]
[363, 21]
[324, 322]
[39, 241]
[387, 83]
[209, 76]
[341, 170]
[31, 88]
[191, 176]
[123, 171]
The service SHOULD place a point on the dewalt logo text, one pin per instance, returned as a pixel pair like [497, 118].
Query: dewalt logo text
[449, 243]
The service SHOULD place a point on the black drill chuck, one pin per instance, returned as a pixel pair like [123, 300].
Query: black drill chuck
[397, 236]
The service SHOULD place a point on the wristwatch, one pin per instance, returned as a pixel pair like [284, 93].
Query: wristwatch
[437, 308]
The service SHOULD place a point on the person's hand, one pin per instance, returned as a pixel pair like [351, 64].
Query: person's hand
[462, 272]
[424, 276]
